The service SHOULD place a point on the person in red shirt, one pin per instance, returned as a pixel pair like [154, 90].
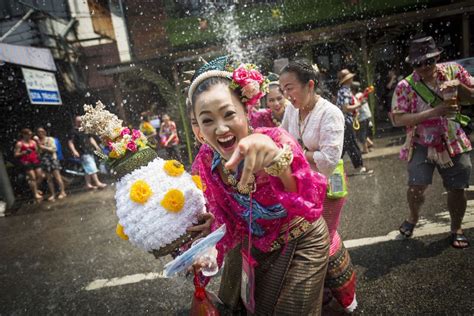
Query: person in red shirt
[169, 137]
[26, 151]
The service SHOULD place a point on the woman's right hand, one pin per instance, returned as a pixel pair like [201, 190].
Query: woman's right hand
[204, 226]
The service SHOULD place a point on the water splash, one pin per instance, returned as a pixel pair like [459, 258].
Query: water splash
[224, 22]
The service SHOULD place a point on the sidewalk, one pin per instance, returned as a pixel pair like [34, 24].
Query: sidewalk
[76, 197]
[386, 145]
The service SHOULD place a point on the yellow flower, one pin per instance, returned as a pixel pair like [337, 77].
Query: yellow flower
[173, 200]
[173, 168]
[140, 143]
[120, 232]
[198, 182]
[114, 154]
[140, 192]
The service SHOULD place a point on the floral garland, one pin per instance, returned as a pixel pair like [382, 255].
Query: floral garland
[252, 84]
[120, 140]
[130, 141]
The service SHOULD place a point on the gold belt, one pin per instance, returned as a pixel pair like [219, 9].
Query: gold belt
[294, 229]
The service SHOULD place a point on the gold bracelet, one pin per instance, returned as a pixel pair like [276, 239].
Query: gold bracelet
[281, 162]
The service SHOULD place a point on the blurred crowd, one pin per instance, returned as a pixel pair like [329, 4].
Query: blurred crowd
[43, 165]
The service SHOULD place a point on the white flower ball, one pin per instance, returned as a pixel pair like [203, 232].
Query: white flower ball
[155, 219]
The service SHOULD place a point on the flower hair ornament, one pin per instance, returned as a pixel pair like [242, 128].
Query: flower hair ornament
[250, 84]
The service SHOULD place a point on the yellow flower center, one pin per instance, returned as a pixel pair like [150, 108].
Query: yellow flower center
[173, 200]
[173, 168]
[120, 232]
[140, 192]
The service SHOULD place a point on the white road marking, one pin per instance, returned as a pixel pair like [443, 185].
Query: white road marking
[128, 279]
[424, 228]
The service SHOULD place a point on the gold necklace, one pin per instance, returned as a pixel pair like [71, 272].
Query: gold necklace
[243, 189]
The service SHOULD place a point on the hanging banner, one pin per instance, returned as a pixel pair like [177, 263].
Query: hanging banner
[42, 87]
[27, 56]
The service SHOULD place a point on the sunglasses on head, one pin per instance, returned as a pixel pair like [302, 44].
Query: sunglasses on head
[427, 62]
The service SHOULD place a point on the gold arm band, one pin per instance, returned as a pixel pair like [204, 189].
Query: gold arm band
[281, 162]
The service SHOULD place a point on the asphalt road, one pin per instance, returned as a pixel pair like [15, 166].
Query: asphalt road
[52, 253]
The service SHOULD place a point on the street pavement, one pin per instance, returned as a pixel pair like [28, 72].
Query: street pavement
[65, 258]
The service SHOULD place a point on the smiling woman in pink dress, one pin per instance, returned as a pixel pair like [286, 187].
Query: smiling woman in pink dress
[259, 184]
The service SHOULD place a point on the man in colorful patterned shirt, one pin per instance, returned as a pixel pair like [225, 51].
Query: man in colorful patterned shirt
[434, 135]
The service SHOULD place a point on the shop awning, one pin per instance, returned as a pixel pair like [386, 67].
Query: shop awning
[40, 58]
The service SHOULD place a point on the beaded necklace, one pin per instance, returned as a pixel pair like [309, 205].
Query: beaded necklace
[232, 180]
[275, 121]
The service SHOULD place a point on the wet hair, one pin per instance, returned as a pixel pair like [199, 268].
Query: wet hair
[303, 71]
[272, 85]
[41, 128]
[207, 84]
[25, 131]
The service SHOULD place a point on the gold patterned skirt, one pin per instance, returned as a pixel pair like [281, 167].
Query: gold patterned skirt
[288, 280]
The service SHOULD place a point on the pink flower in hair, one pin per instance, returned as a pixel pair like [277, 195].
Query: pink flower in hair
[256, 75]
[251, 89]
[251, 82]
[255, 98]
[241, 76]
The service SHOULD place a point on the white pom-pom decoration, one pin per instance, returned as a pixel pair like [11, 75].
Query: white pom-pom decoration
[149, 225]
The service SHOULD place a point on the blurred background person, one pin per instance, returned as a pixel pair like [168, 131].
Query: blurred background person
[364, 117]
[50, 163]
[273, 114]
[82, 146]
[26, 151]
[169, 138]
[346, 102]
[147, 128]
